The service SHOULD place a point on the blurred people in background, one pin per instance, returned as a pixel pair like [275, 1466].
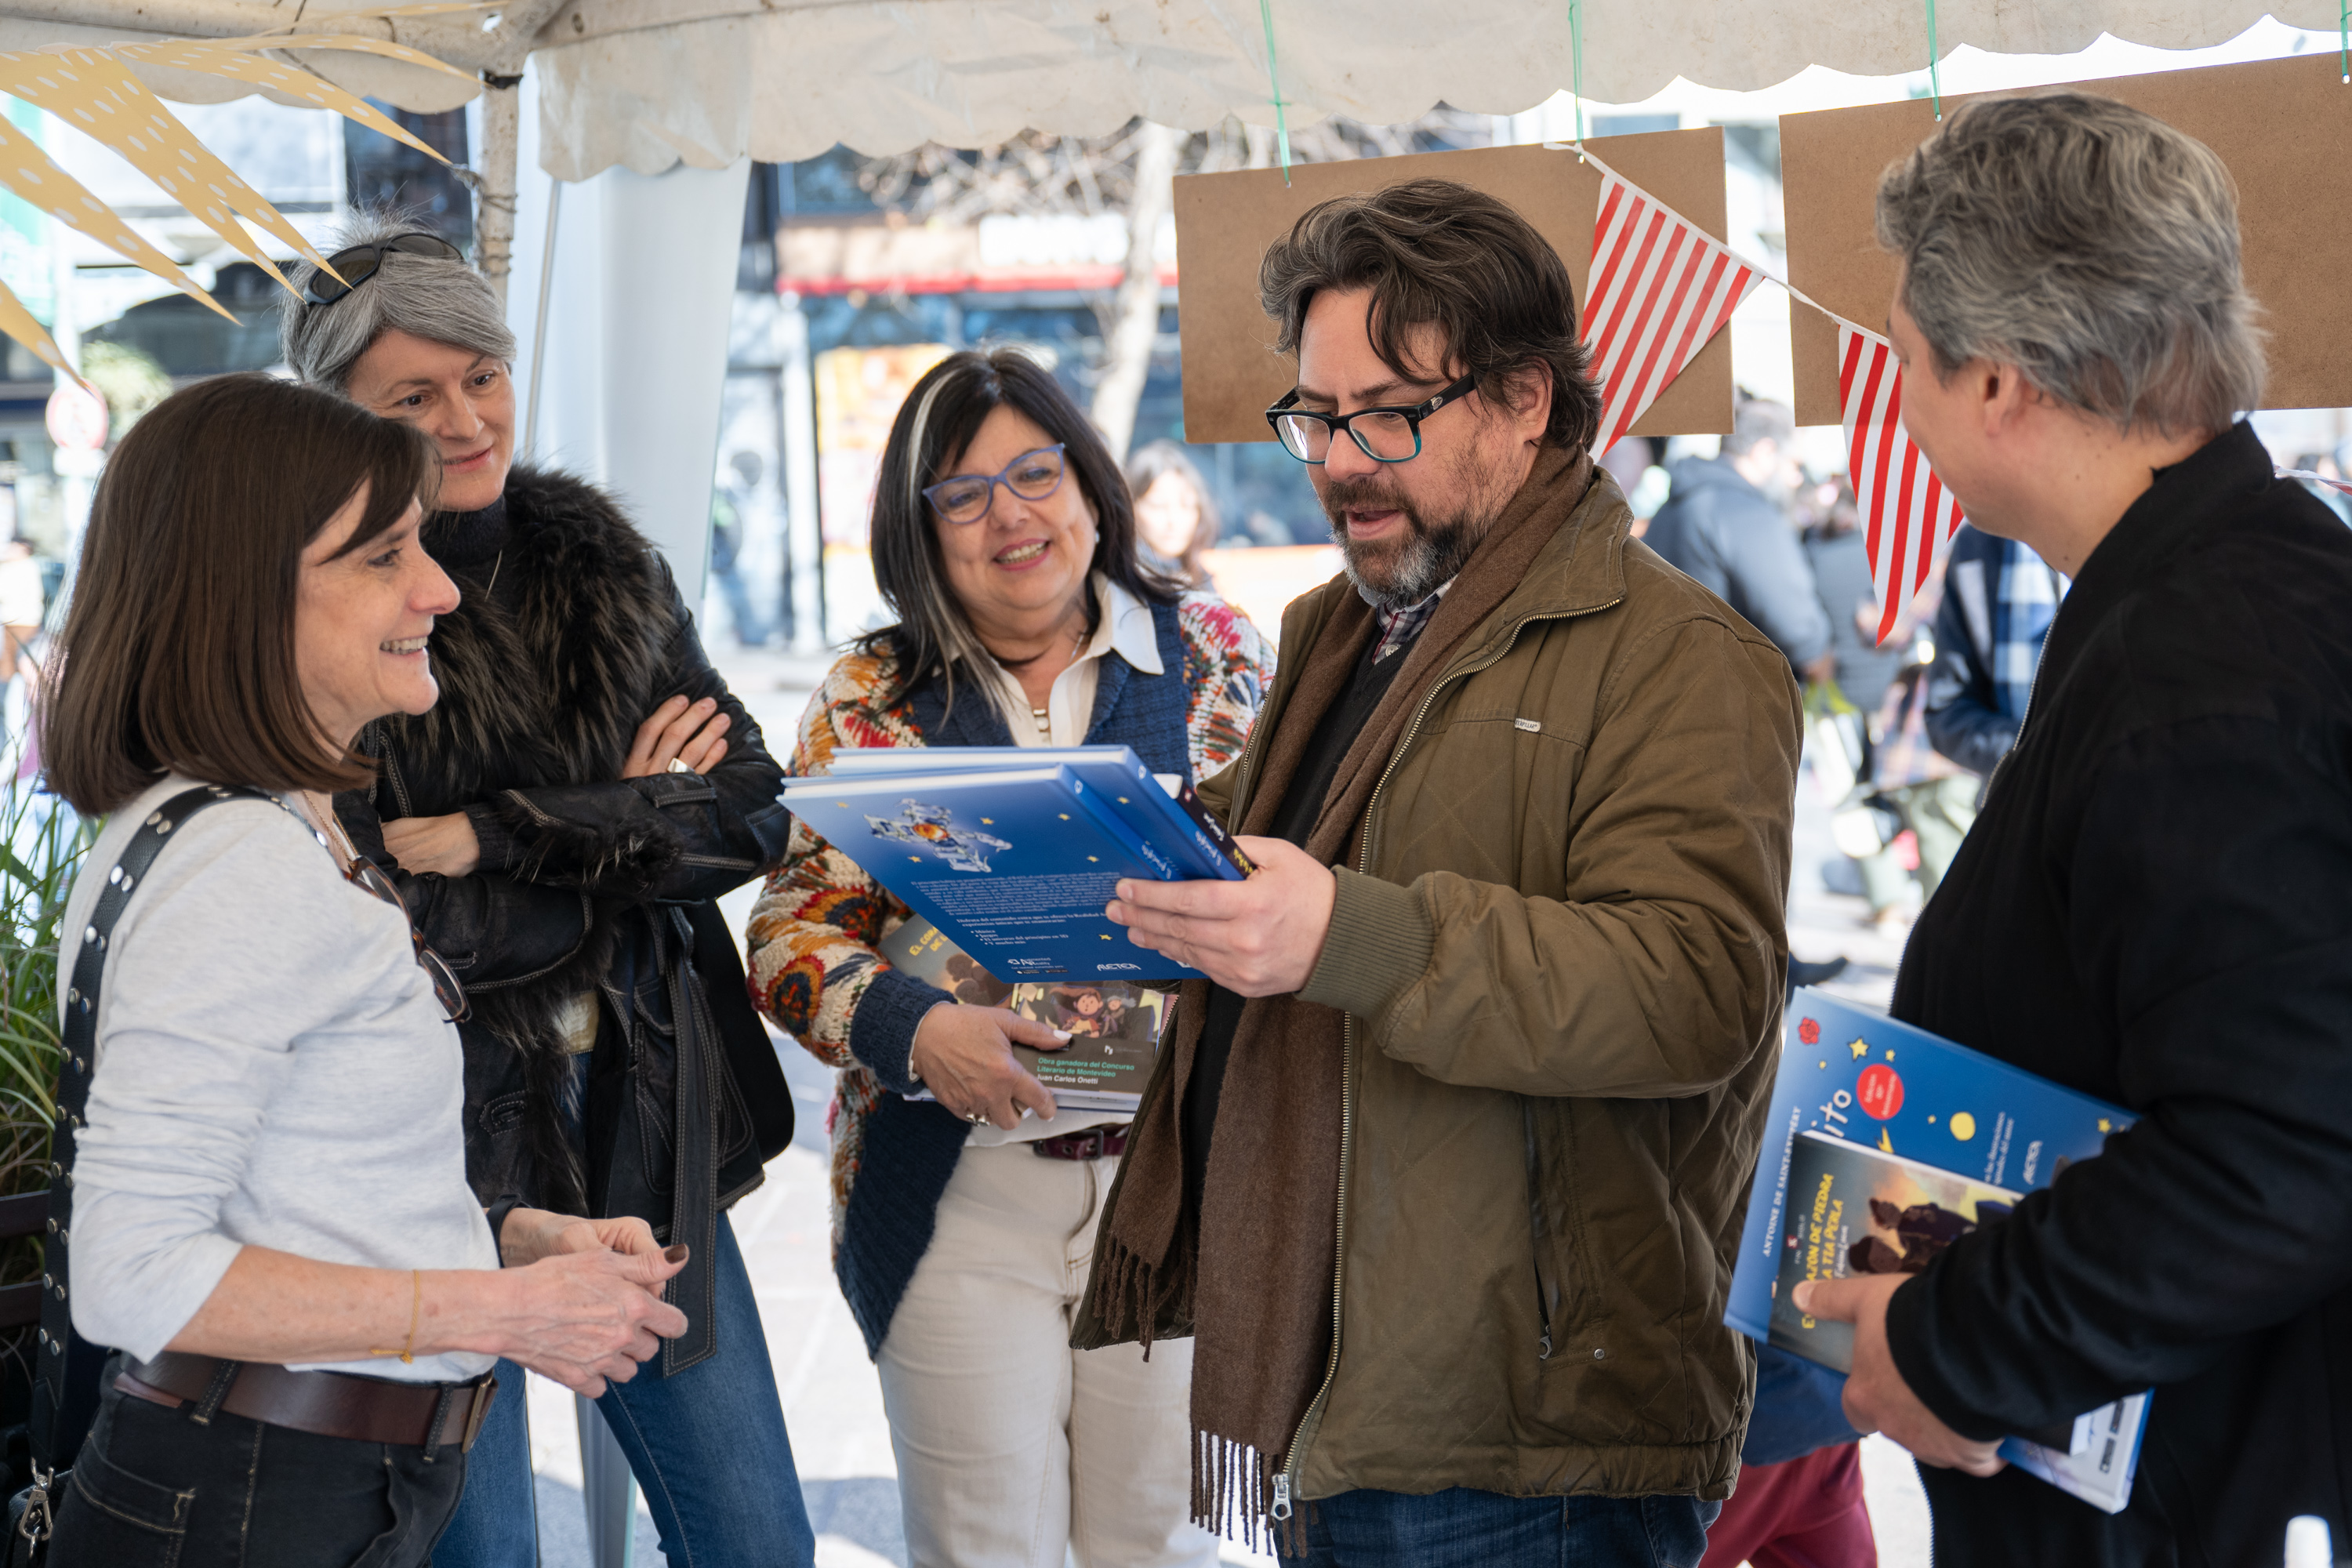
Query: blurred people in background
[1840, 558]
[1634, 462]
[1918, 791]
[1999, 600]
[727, 504]
[2331, 467]
[1725, 523]
[21, 603]
[1175, 520]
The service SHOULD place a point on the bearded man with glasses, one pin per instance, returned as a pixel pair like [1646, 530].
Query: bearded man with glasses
[1441, 1168]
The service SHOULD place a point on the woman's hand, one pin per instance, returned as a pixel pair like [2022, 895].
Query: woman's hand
[426, 844]
[964, 1057]
[587, 1319]
[679, 729]
[530, 1234]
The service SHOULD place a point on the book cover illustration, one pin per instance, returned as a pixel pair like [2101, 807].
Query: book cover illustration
[1160, 808]
[1015, 865]
[1115, 1028]
[1861, 1212]
[1857, 1210]
[1848, 1072]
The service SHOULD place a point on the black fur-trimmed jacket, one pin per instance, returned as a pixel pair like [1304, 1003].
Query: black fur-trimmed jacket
[561, 648]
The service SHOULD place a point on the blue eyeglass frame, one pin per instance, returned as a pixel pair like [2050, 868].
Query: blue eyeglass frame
[931, 495]
[1337, 423]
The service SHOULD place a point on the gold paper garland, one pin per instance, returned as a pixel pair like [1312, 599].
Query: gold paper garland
[93, 89]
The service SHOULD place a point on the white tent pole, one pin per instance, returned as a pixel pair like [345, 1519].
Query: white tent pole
[501, 136]
[538, 331]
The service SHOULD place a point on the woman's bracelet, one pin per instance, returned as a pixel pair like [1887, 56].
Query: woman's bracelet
[408, 1353]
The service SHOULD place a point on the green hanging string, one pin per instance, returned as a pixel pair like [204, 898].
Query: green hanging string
[2344, 35]
[1274, 80]
[1934, 76]
[1576, 68]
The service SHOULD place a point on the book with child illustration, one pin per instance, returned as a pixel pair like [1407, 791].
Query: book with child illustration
[1885, 1144]
[1014, 852]
[1115, 1029]
[1853, 1210]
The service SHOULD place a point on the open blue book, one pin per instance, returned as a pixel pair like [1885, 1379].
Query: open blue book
[1012, 852]
[1886, 1144]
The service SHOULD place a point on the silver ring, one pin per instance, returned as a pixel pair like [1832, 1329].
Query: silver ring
[680, 765]
[978, 1118]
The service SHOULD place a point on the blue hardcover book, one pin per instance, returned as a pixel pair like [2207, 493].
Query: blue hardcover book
[1013, 864]
[1849, 1072]
[1967, 1133]
[1145, 799]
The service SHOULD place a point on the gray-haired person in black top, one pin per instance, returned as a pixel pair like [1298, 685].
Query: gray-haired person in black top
[2152, 907]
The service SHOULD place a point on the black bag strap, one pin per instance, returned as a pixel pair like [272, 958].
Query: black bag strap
[66, 1371]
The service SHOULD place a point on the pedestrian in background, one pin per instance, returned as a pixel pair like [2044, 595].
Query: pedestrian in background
[1175, 517]
[2150, 907]
[1726, 524]
[2000, 598]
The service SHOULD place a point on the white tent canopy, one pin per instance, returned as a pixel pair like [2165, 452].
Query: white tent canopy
[649, 84]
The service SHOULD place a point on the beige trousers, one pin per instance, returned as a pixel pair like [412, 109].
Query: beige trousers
[1011, 1446]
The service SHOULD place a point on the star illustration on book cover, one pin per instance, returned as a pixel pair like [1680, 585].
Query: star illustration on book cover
[963, 848]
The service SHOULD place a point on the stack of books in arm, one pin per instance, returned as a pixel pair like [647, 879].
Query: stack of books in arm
[1884, 1145]
[1013, 852]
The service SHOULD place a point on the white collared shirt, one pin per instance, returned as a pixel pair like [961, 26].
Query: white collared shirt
[1126, 629]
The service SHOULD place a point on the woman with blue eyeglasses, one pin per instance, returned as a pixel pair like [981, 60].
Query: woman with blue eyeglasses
[963, 1224]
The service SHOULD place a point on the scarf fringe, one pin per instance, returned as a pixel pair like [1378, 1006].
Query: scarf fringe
[1233, 1488]
[1131, 1291]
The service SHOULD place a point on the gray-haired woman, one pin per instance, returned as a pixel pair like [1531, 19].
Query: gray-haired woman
[560, 825]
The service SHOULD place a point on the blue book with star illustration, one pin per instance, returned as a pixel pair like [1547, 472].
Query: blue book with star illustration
[1852, 1073]
[1160, 806]
[1885, 1143]
[1014, 864]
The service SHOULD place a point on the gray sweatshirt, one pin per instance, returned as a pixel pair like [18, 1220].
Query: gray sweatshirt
[273, 1070]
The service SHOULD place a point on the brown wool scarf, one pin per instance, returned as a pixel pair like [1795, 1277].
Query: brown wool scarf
[1257, 1264]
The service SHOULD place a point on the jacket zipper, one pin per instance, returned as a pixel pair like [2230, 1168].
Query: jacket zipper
[1286, 1480]
[1540, 1228]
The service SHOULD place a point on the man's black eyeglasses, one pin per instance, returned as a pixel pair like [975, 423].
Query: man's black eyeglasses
[361, 262]
[1383, 435]
[447, 989]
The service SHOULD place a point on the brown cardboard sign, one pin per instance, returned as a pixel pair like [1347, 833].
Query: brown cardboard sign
[1225, 223]
[2282, 127]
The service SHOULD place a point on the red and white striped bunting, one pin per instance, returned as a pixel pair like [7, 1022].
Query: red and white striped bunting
[2342, 485]
[1907, 515]
[1659, 290]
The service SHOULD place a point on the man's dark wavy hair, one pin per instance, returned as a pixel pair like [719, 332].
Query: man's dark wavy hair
[1438, 254]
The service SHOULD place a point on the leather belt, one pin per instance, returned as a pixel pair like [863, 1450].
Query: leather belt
[1094, 1143]
[326, 1404]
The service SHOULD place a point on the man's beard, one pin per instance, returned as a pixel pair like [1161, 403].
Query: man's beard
[1395, 572]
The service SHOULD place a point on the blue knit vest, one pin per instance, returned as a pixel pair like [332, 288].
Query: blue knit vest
[911, 1146]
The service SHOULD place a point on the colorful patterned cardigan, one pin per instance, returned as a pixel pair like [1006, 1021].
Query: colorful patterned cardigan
[814, 932]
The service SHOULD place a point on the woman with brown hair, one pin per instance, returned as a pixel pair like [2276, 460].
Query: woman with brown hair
[1004, 539]
[266, 1202]
[1175, 518]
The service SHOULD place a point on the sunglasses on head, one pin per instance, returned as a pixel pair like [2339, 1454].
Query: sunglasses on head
[362, 262]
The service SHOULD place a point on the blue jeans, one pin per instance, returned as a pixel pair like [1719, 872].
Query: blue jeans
[1487, 1529]
[708, 1446]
